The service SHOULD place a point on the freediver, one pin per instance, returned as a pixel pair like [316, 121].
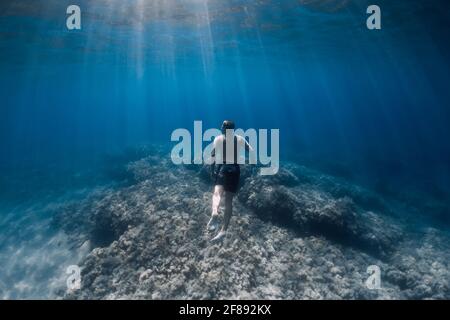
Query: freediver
[225, 172]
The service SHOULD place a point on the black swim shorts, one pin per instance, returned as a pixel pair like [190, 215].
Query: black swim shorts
[228, 177]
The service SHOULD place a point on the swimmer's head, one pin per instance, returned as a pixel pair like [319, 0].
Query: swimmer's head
[227, 124]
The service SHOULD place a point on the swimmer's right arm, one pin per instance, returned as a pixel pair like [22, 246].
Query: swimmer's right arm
[248, 147]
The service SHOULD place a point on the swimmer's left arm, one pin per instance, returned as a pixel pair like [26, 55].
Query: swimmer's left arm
[213, 161]
[213, 157]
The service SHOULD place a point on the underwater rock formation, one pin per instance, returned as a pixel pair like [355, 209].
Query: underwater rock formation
[292, 236]
[307, 208]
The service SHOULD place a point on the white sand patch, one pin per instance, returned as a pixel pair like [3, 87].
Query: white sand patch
[34, 257]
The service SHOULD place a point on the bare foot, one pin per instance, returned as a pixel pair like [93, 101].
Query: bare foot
[213, 223]
[219, 236]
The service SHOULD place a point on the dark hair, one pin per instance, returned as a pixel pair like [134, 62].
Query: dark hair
[227, 124]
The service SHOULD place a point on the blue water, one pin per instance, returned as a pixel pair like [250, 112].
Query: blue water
[137, 70]
[370, 106]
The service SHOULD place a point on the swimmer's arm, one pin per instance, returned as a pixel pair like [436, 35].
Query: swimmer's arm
[248, 147]
[213, 157]
[215, 145]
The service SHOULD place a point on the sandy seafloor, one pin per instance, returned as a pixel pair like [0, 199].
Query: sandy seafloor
[301, 234]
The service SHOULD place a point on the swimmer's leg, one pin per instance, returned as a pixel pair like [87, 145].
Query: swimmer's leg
[217, 196]
[228, 209]
[227, 217]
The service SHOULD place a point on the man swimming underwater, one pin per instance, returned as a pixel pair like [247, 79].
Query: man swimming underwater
[226, 172]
